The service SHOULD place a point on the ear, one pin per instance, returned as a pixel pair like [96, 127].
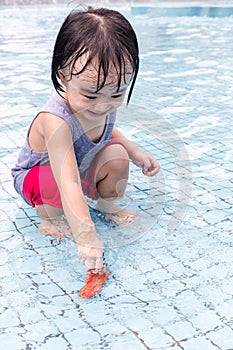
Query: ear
[62, 76]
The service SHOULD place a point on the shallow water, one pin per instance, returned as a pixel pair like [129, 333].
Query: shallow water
[171, 284]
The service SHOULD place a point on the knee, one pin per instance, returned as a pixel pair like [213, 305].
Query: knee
[114, 161]
[118, 159]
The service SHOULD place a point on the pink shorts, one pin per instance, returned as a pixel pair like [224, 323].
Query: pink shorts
[40, 186]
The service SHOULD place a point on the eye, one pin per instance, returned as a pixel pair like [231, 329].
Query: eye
[117, 96]
[89, 97]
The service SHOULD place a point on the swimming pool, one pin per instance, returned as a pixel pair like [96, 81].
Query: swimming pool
[171, 284]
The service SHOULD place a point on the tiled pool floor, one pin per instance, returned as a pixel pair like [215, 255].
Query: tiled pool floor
[171, 285]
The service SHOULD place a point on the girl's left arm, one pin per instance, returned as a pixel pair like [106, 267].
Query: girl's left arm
[146, 162]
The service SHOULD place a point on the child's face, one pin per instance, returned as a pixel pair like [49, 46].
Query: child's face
[81, 95]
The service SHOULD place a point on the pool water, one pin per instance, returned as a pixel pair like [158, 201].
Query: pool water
[171, 284]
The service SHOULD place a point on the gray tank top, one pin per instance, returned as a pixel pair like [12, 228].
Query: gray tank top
[85, 149]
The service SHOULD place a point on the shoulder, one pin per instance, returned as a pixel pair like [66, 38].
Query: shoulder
[50, 124]
[56, 105]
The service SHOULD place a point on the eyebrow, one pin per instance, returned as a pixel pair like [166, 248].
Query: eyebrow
[86, 91]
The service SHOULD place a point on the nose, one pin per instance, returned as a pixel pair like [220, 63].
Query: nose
[101, 108]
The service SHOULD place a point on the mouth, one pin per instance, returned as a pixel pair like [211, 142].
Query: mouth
[97, 115]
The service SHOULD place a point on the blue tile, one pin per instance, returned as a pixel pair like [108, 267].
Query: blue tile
[171, 273]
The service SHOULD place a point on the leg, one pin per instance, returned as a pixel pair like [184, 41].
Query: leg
[41, 191]
[111, 180]
[52, 222]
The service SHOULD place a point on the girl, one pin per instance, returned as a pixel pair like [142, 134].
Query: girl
[72, 148]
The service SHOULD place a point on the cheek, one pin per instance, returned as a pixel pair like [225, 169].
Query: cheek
[119, 101]
[76, 100]
[82, 104]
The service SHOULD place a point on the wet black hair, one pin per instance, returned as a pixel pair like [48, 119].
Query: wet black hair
[100, 33]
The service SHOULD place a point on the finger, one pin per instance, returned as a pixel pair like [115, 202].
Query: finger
[99, 263]
[152, 170]
[90, 263]
[146, 165]
[155, 170]
[81, 258]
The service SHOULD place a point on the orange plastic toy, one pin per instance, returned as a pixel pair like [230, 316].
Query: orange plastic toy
[94, 283]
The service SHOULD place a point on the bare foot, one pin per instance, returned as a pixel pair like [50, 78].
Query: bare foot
[120, 216]
[56, 228]
[123, 217]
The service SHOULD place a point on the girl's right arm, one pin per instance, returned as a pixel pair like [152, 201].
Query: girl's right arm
[63, 162]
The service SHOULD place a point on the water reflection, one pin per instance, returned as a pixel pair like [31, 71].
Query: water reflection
[150, 8]
[180, 11]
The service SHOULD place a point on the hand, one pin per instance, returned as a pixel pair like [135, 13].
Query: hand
[146, 162]
[91, 255]
[90, 251]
